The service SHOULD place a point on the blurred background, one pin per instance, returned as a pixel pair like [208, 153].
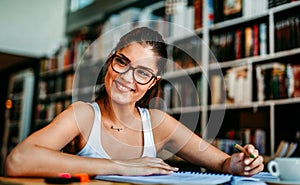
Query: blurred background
[248, 73]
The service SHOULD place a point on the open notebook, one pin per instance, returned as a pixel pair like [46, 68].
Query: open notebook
[175, 178]
[192, 178]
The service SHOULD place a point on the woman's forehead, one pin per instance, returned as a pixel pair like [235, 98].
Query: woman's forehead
[138, 53]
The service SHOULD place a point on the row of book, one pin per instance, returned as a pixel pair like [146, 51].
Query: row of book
[232, 88]
[241, 42]
[237, 82]
[65, 59]
[257, 137]
[287, 30]
[45, 112]
[277, 81]
[285, 149]
[56, 85]
[179, 13]
[182, 93]
[272, 81]
[185, 54]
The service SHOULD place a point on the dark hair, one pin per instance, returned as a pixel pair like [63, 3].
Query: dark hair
[142, 35]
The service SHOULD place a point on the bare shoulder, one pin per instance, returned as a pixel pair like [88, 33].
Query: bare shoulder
[80, 113]
[161, 118]
[81, 106]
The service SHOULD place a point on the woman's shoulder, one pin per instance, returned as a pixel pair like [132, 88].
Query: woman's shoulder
[83, 113]
[161, 117]
[81, 105]
[156, 112]
[81, 109]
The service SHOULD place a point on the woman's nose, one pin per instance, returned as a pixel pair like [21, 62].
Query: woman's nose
[128, 76]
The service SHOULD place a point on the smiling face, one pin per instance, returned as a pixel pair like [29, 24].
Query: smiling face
[122, 87]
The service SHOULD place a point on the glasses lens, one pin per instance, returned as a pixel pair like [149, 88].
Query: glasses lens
[142, 75]
[120, 65]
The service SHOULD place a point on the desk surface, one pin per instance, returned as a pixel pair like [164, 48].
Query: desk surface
[40, 181]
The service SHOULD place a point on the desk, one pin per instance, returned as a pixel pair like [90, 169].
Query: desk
[40, 181]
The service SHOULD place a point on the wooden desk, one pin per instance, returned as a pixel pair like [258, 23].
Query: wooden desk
[40, 181]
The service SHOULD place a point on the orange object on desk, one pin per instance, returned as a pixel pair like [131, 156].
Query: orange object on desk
[83, 177]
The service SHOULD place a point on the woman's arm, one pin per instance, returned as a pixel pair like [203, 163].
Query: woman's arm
[39, 155]
[189, 146]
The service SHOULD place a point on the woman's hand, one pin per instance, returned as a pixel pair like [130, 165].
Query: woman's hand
[241, 164]
[144, 166]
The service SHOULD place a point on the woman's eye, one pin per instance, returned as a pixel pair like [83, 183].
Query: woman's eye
[121, 62]
[143, 73]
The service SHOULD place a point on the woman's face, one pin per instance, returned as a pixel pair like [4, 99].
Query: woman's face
[122, 87]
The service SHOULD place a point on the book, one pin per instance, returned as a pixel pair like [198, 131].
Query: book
[174, 178]
[198, 11]
[237, 83]
[271, 81]
[216, 89]
[248, 42]
[263, 39]
[255, 40]
[296, 80]
[210, 12]
[238, 44]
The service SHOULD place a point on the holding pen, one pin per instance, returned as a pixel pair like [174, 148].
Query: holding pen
[240, 148]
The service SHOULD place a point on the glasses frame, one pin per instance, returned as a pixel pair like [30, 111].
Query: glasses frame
[130, 68]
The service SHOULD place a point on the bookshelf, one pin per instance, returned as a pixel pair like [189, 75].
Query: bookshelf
[18, 111]
[249, 83]
[230, 58]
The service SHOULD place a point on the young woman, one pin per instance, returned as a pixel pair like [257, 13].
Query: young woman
[118, 133]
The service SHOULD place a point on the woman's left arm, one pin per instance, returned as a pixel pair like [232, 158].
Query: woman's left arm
[189, 146]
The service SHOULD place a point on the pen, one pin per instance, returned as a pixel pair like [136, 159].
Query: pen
[240, 148]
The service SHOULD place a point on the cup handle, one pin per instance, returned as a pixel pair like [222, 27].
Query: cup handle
[273, 165]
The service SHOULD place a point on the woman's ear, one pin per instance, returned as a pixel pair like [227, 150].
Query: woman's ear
[154, 82]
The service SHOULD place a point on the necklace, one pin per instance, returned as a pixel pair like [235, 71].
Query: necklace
[117, 128]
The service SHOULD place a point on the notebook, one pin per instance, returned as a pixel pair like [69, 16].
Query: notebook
[257, 179]
[174, 178]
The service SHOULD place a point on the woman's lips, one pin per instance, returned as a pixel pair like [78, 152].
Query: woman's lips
[122, 87]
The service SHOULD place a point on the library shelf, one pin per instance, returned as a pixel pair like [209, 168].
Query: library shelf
[206, 68]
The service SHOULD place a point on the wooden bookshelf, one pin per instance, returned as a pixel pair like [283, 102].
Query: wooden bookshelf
[224, 74]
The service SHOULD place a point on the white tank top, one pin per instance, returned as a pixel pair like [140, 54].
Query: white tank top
[93, 147]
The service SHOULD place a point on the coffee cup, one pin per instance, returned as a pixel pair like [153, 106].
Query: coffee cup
[286, 168]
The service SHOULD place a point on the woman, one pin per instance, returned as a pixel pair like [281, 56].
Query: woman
[118, 134]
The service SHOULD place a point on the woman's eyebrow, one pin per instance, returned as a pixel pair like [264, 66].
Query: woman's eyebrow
[146, 68]
[129, 61]
[124, 57]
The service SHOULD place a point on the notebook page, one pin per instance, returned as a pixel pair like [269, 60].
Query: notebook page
[175, 178]
[257, 179]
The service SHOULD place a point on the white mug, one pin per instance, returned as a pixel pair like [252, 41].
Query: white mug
[287, 169]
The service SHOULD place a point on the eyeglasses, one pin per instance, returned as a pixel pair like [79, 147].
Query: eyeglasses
[122, 65]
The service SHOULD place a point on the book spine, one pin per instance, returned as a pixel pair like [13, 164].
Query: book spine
[210, 4]
[248, 42]
[263, 39]
[238, 42]
[296, 77]
[198, 14]
[255, 40]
